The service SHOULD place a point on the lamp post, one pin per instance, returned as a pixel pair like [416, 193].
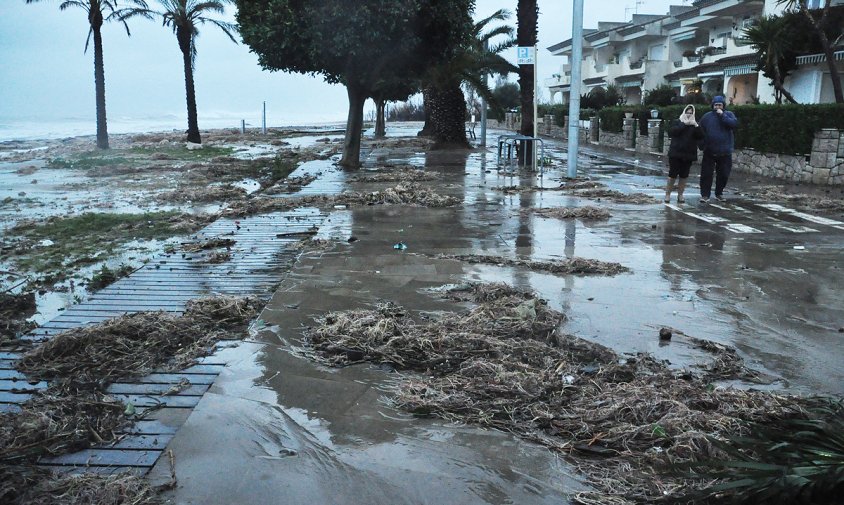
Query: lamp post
[574, 100]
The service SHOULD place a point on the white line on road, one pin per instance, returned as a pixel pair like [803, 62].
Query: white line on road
[798, 229]
[803, 215]
[742, 228]
[709, 218]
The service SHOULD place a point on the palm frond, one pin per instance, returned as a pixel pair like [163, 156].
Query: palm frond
[792, 461]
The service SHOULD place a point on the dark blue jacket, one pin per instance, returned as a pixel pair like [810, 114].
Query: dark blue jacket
[718, 132]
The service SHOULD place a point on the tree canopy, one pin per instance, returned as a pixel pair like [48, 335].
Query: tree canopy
[362, 44]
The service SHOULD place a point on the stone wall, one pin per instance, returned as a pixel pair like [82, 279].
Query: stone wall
[824, 166]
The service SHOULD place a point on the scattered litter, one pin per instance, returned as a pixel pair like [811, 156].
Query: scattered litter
[400, 246]
[799, 248]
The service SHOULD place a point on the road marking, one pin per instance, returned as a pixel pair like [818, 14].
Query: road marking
[800, 229]
[742, 228]
[709, 218]
[803, 215]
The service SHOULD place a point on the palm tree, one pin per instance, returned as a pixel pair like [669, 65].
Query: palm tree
[99, 12]
[769, 37]
[527, 33]
[818, 19]
[183, 16]
[445, 105]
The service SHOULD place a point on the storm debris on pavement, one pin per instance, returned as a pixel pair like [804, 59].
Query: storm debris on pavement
[403, 173]
[577, 266]
[803, 201]
[38, 486]
[68, 416]
[217, 257]
[290, 184]
[401, 194]
[586, 212]
[613, 195]
[404, 193]
[266, 205]
[134, 345]
[75, 411]
[15, 310]
[211, 243]
[202, 194]
[502, 364]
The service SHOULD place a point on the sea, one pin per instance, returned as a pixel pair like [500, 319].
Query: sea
[12, 129]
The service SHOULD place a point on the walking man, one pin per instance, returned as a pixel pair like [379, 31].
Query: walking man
[718, 127]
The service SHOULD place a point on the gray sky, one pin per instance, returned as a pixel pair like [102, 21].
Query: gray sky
[44, 73]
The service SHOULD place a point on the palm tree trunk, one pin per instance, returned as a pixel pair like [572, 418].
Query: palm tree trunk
[427, 105]
[448, 116]
[354, 128]
[380, 126]
[190, 93]
[527, 14]
[99, 84]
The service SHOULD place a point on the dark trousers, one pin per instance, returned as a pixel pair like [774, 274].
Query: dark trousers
[721, 165]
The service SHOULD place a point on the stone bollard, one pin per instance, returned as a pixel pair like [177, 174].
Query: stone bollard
[654, 134]
[593, 129]
[628, 130]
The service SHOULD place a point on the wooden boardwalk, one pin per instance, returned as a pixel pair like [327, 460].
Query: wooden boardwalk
[259, 259]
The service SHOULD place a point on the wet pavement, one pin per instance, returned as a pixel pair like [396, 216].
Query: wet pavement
[275, 428]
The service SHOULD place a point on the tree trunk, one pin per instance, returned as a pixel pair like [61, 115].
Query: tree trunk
[380, 126]
[354, 128]
[427, 103]
[834, 76]
[778, 85]
[527, 14]
[448, 116]
[184, 38]
[99, 84]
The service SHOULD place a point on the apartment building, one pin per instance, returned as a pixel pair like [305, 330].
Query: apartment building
[688, 45]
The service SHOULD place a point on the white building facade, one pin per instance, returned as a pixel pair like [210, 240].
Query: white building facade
[690, 45]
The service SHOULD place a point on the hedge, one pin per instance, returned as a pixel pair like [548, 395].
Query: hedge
[783, 129]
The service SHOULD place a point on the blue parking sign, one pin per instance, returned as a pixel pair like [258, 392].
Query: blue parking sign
[525, 55]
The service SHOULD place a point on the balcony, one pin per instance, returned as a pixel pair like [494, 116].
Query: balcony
[728, 7]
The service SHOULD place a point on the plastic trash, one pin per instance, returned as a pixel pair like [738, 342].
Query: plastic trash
[799, 248]
[400, 246]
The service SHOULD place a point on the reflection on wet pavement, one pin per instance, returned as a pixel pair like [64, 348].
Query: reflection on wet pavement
[301, 433]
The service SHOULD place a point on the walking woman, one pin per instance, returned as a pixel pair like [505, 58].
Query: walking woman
[685, 134]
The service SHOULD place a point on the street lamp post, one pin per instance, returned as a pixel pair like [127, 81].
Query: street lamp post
[574, 93]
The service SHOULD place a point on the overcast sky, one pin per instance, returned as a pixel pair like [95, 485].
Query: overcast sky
[44, 73]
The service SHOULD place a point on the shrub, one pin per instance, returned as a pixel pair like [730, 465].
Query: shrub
[612, 119]
[784, 129]
[661, 95]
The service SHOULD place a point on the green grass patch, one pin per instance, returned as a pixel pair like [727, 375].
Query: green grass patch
[85, 239]
[137, 156]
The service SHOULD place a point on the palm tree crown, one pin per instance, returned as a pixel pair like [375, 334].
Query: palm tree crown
[184, 17]
[99, 12]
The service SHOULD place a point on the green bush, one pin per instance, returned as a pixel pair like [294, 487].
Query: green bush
[663, 95]
[612, 119]
[784, 129]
